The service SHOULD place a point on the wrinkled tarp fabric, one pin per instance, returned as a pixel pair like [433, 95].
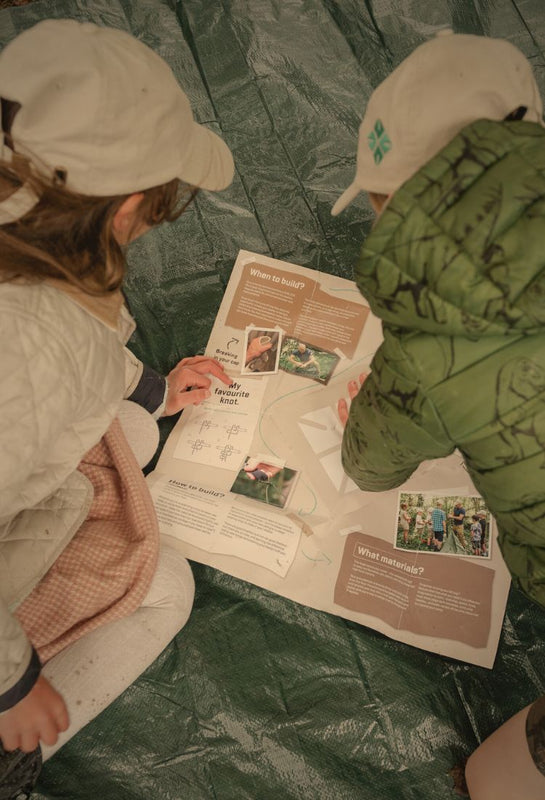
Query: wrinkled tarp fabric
[259, 698]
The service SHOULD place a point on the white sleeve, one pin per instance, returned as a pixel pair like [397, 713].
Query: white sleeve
[133, 372]
[40, 392]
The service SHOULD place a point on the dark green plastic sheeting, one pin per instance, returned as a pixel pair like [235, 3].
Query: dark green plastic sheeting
[259, 698]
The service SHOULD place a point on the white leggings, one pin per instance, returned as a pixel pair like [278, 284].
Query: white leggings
[96, 669]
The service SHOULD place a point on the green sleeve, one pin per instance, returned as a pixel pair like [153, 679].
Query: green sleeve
[392, 426]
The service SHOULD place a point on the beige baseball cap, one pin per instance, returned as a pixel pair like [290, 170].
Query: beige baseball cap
[444, 85]
[105, 109]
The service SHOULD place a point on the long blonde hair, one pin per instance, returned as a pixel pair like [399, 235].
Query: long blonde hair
[70, 236]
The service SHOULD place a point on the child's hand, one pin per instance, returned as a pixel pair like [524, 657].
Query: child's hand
[39, 717]
[188, 384]
[353, 389]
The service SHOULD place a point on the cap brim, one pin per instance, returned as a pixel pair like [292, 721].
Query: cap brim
[208, 164]
[345, 199]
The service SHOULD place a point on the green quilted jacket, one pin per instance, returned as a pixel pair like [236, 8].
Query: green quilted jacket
[455, 268]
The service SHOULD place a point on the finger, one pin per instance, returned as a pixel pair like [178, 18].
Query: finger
[29, 741]
[187, 379]
[212, 367]
[223, 376]
[342, 411]
[250, 476]
[363, 377]
[190, 398]
[49, 731]
[62, 718]
[206, 367]
[10, 741]
[202, 361]
[353, 389]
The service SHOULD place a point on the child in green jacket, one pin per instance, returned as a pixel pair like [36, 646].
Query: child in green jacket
[452, 152]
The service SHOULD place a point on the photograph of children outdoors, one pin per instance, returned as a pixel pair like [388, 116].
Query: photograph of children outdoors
[301, 358]
[450, 524]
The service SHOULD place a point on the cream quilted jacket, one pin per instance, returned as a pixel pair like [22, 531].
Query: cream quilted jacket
[64, 372]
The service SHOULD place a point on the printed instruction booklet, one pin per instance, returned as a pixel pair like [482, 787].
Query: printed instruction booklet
[250, 481]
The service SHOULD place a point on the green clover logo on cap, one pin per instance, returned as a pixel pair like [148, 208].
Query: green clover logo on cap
[379, 142]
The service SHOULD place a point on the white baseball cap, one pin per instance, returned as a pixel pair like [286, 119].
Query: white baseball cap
[105, 109]
[444, 85]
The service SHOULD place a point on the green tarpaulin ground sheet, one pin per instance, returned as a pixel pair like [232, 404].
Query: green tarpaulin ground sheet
[259, 698]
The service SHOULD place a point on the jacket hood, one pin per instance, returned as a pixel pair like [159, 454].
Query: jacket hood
[460, 248]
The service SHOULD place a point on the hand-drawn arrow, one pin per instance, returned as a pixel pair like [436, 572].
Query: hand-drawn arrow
[317, 559]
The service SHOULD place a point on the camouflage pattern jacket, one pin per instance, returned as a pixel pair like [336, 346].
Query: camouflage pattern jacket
[455, 268]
